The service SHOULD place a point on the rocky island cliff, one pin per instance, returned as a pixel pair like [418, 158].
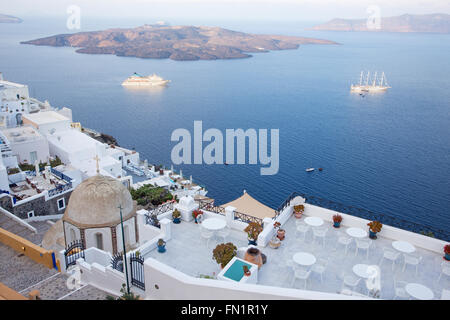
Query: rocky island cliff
[435, 23]
[175, 42]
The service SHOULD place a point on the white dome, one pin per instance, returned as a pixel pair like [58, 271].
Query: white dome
[95, 203]
[187, 202]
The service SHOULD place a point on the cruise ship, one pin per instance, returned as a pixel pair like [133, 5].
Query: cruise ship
[138, 80]
[365, 85]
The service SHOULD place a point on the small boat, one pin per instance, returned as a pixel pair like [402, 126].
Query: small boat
[225, 163]
[320, 169]
[309, 169]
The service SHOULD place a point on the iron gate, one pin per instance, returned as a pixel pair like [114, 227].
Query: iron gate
[137, 271]
[74, 251]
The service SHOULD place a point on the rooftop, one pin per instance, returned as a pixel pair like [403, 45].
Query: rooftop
[41, 118]
[21, 134]
[339, 261]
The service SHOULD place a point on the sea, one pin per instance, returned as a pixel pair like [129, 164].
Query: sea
[388, 153]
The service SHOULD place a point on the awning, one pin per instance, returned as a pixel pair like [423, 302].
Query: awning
[250, 206]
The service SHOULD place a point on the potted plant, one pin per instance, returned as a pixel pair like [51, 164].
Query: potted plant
[447, 252]
[374, 228]
[247, 272]
[161, 245]
[337, 219]
[224, 252]
[280, 232]
[298, 210]
[176, 215]
[254, 255]
[253, 230]
[196, 214]
[275, 243]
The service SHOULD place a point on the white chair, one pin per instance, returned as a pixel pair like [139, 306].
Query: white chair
[302, 229]
[363, 244]
[320, 233]
[350, 281]
[302, 274]
[344, 240]
[445, 269]
[207, 235]
[400, 292]
[224, 233]
[320, 267]
[412, 260]
[390, 255]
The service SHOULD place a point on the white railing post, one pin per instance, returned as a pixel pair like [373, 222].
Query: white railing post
[166, 228]
[229, 215]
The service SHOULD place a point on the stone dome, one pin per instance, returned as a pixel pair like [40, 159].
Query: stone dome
[95, 202]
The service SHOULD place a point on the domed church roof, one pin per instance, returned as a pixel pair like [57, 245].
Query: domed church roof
[94, 203]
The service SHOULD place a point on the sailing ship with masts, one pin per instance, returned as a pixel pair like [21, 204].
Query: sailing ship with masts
[366, 84]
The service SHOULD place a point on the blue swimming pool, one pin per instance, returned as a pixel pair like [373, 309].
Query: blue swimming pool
[235, 271]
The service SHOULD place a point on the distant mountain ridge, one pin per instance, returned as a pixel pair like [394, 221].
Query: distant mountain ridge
[4, 18]
[435, 23]
[161, 41]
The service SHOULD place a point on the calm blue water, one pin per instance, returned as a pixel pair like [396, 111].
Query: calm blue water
[388, 153]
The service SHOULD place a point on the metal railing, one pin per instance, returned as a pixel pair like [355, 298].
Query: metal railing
[247, 218]
[61, 175]
[369, 215]
[60, 189]
[151, 217]
[209, 206]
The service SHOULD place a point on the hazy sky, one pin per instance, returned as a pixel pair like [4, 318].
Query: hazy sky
[315, 10]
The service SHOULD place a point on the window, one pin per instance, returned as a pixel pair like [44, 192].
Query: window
[99, 240]
[33, 157]
[61, 204]
[30, 214]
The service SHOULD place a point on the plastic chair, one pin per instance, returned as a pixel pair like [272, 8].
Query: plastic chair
[320, 267]
[400, 292]
[412, 260]
[363, 244]
[390, 255]
[224, 233]
[445, 269]
[320, 233]
[301, 274]
[302, 229]
[344, 240]
[350, 281]
[207, 235]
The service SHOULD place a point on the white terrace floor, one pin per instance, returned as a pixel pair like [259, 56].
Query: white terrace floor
[187, 252]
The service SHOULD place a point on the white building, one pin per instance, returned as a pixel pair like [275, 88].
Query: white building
[26, 144]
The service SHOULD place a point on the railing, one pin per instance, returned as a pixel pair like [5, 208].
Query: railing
[151, 217]
[59, 189]
[246, 218]
[209, 206]
[369, 215]
[61, 175]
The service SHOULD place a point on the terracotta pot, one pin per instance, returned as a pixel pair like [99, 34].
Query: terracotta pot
[281, 234]
[274, 244]
[298, 215]
[253, 255]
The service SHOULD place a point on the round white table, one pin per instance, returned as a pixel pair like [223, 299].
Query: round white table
[419, 291]
[356, 232]
[214, 224]
[403, 246]
[304, 258]
[314, 221]
[364, 270]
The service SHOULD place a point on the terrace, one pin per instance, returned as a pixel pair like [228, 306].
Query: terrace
[188, 252]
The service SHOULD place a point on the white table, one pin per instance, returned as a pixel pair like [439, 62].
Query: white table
[419, 291]
[403, 246]
[314, 221]
[356, 232]
[362, 270]
[304, 258]
[214, 224]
